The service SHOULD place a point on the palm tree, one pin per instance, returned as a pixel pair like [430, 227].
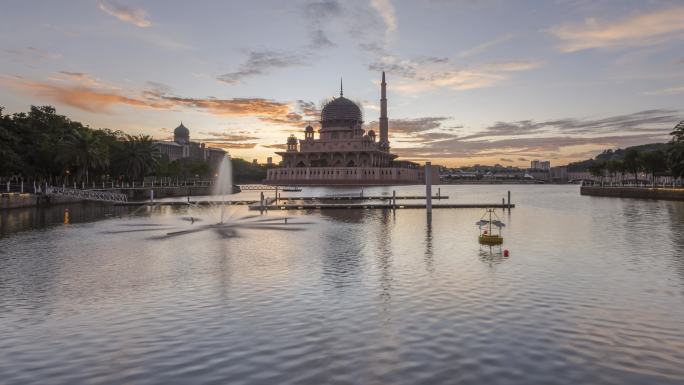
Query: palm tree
[83, 150]
[138, 155]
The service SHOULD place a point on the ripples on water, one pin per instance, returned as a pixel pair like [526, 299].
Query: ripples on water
[592, 293]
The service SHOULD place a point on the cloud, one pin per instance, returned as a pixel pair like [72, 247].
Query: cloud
[485, 46]
[637, 30]
[77, 90]
[98, 100]
[261, 62]
[320, 14]
[83, 79]
[223, 137]
[232, 146]
[32, 54]
[137, 17]
[426, 73]
[386, 11]
[537, 147]
[79, 96]
[277, 146]
[428, 139]
[643, 121]
[411, 126]
[667, 91]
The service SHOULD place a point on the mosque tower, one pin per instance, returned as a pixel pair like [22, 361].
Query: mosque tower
[384, 125]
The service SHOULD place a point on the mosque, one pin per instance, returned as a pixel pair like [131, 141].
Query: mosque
[344, 153]
[181, 148]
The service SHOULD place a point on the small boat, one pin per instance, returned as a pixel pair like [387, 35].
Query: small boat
[291, 189]
[487, 226]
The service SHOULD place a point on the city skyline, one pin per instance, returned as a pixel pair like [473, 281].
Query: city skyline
[468, 81]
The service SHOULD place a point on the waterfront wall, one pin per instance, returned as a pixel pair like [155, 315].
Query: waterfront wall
[17, 200]
[349, 176]
[676, 194]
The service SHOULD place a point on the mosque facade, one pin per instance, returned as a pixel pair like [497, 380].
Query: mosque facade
[344, 153]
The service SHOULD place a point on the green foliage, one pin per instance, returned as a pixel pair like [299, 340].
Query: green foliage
[678, 133]
[654, 162]
[135, 157]
[597, 168]
[246, 172]
[675, 159]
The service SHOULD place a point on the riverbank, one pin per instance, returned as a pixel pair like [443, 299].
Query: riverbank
[22, 200]
[674, 194]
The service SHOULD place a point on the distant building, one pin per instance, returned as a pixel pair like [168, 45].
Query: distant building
[559, 174]
[255, 162]
[269, 161]
[540, 165]
[182, 148]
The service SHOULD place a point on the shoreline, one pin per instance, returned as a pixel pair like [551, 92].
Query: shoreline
[658, 193]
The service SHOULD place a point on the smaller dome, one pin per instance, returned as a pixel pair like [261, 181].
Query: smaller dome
[309, 128]
[291, 139]
[371, 133]
[181, 131]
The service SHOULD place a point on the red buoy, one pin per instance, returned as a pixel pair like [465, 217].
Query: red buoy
[506, 253]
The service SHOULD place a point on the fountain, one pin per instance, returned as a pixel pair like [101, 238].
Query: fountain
[224, 183]
[226, 226]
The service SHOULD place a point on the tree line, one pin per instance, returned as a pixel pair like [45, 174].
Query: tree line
[41, 145]
[661, 159]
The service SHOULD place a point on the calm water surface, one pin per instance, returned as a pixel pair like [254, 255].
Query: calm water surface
[592, 293]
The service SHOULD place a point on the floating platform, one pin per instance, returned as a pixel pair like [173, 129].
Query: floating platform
[361, 206]
[283, 199]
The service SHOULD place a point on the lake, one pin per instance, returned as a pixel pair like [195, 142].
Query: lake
[592, 292]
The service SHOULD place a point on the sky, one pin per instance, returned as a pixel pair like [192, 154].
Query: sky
[469, 81]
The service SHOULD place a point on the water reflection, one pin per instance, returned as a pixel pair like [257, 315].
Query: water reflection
[22, 219]
[492, 255]
[593, 295]
[428, 257]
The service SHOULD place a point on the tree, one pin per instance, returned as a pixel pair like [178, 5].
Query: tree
[84, 150]
[598, 169]
[137, 156]
[614, 167]
[10, 161]
[632, 162]
[675, 159]
[653, 162]
[678, 133]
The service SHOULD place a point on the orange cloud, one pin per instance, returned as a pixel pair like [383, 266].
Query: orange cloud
[637, 30]
[96, 100]
[137, 17]
[79, 96]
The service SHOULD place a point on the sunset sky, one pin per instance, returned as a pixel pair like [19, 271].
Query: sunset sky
[469, 81]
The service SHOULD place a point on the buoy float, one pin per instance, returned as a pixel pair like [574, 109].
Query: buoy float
[506, 253]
